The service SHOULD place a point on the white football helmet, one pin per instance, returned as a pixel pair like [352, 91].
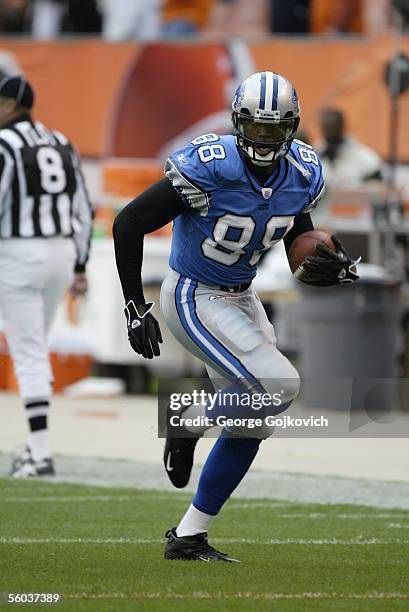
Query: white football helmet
[266, 115]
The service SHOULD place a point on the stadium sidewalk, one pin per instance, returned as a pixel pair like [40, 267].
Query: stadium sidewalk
[126, 428]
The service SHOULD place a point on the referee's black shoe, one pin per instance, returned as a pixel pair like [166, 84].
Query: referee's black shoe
[24, 466]
[193, 548]
[179, 451]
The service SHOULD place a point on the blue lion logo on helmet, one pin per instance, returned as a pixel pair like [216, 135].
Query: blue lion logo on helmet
[294, 99]
[239, 96]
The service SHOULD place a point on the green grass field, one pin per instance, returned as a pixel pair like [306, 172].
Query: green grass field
[102, 548]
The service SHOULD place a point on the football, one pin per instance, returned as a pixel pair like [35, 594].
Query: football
[306, 244]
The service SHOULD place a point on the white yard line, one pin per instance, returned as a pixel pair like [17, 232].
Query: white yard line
[373, 595]
[23, 541]
[96, 498]
[318, 515]
[269, 542]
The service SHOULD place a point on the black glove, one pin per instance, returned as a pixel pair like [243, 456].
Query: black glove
[329, 268]
[143, 329]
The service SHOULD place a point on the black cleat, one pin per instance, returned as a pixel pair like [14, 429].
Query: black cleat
[193, 548]
[179, 452]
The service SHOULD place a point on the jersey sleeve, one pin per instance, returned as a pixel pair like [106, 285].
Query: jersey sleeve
[307, 157]
[6, 174]
[83, 215]
[192, 172]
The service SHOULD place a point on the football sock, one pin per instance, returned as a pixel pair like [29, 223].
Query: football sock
[225, 467]
[36, 413]
[193, 522]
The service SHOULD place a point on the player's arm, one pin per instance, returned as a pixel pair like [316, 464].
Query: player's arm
[302, 223]
[151, 210]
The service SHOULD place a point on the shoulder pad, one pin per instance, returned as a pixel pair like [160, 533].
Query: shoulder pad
[309, 165]
[193, 170]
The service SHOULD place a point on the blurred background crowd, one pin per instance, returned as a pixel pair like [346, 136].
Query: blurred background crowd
[152, 19]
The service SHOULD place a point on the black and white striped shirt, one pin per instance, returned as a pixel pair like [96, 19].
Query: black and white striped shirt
[42, 189]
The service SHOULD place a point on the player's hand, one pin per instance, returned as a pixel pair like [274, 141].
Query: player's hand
[329, 267]
[79, 286]
[143, 329]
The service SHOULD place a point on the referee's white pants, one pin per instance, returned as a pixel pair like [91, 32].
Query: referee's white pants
[231, 334]
[34, 276]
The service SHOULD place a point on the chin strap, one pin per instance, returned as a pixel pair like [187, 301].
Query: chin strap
[260, 162]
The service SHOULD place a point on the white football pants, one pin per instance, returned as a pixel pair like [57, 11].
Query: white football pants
[35, 274]
[231, 334]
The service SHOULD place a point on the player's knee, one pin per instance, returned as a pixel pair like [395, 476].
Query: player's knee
[291, 388]
[283, 390]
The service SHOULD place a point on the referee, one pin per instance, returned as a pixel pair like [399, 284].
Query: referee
[45, 229]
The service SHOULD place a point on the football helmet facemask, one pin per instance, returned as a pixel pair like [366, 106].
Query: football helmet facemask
[266, 116]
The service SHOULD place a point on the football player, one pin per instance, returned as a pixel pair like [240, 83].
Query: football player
[230, 198]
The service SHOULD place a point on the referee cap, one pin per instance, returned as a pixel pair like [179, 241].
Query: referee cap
[17, 88]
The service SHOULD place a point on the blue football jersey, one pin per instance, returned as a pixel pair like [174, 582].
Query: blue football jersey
[230, 217]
